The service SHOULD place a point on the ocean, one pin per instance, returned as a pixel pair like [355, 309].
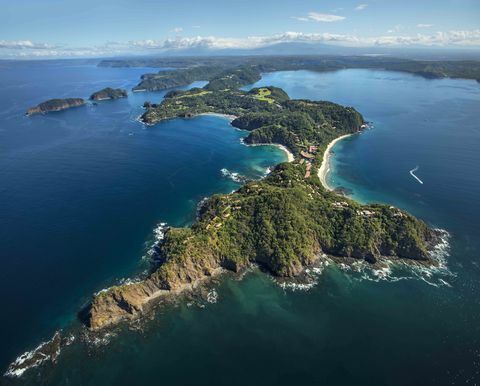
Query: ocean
[83, 190]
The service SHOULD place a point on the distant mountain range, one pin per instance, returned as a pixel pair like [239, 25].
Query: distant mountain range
[295, 48]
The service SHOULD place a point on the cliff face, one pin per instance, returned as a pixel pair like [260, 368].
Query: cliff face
[284, 224]
[108, 93]
[55, 105]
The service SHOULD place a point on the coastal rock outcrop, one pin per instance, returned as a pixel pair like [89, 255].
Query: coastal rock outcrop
[45, 352]
[109, 93]
[55, 105]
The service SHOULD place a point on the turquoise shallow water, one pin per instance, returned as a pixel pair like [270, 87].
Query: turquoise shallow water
[349, 328]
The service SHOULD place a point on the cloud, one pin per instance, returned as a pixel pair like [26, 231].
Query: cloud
[421, 25]
[300, 18]
[23, 44]
[395, 29]
[465, 38]
[177, 30]
[320, 17]
[196, 26]
[361, 7]
[16, 49]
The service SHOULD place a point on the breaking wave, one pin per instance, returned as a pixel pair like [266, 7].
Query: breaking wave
[308, 279]
[385, 270]
[212, 296]
[45, 351]
[153, 251]
[396, 270]
[234, 176]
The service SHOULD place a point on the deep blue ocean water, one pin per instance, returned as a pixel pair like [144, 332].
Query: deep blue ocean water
[82, 190]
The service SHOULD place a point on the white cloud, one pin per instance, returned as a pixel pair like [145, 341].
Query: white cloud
[300, 18]
[321, 17]
[395, 29]
[12, 49]
[421, 25]
[177, 30]
[196, 26]
[361, 7]
[23, 44]
[465, 38]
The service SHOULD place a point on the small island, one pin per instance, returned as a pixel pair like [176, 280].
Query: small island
[55, 105]
[283, 223]
[108, 93]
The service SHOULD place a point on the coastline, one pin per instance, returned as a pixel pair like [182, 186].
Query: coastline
[325, 166]
[230, 117]
[290, 156]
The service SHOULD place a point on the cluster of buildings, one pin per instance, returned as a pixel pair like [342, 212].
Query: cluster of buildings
[307, 157]
[340, 205]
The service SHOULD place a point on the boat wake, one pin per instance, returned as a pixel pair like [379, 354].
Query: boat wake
[412, 173]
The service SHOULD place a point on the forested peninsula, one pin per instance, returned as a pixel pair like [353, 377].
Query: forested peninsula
[283, 223]
[185, 70]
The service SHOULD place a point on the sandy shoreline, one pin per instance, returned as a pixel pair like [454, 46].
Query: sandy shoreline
[228, 116]
[231, 117]
[325, 166]
[290, 157]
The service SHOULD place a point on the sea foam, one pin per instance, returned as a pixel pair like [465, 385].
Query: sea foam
[45, 351]
[234, 176]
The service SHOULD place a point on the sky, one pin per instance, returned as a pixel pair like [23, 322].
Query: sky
[92, 28]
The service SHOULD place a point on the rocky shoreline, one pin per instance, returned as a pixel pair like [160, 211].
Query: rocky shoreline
[129, 302]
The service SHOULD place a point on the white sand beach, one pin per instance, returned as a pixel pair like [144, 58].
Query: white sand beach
[325, 166]
[228, 116]
[290, 156]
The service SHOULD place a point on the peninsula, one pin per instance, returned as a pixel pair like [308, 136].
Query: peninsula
[190, 69]
[55, 105]
[283, 223]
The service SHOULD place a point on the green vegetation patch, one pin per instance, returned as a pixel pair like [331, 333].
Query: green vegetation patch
[263, 95]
